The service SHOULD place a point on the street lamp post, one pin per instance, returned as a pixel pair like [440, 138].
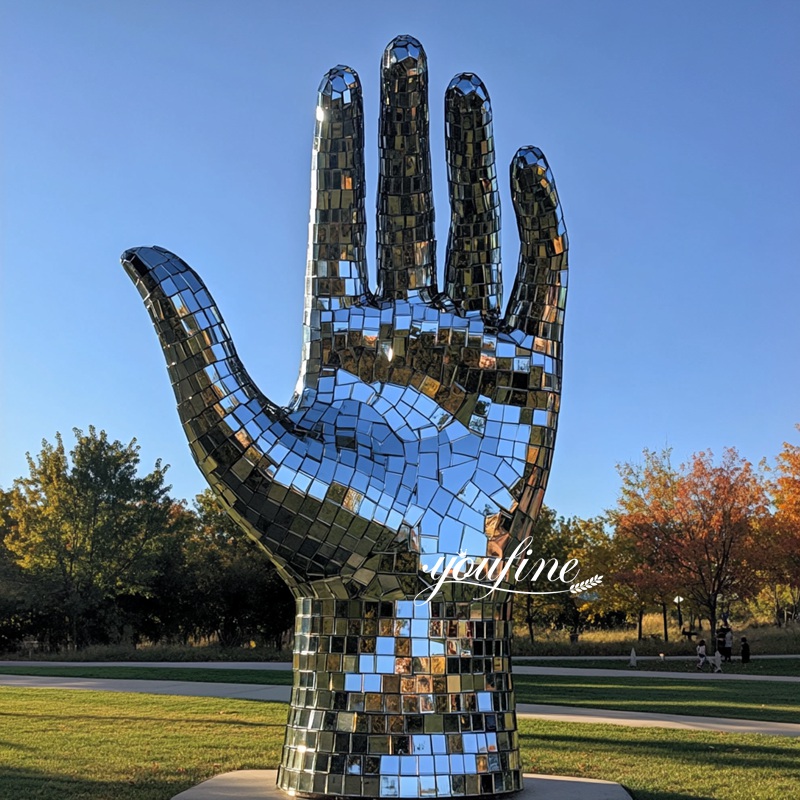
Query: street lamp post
[678, 600]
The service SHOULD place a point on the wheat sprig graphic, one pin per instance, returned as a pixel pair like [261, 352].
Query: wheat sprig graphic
[577, 588]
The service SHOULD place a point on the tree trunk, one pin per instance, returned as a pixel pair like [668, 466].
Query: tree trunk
[712, 619]
[529, 615]
[641, 621]
[666, 630]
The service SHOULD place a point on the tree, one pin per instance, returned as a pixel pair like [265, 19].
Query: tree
[529, 606]
[13, 608]
[609, 603]
[162, 605]
[785, 552]
[696, 528]
[238, 592]
[628, 586]
[554, 538]
[643, 552]
[85, 528]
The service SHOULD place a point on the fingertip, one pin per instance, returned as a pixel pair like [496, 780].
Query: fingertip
[531, 180]
[528, 157]
[338, 99]
[152, 255]
[339, 83]
[139, 261]
[537, 206]
[405, 55]
[128, 255]
[467, 92]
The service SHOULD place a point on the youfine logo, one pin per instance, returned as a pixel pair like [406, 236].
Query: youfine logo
[490, 574]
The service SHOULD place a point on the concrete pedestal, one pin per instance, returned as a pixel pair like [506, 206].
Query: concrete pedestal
[255, 784]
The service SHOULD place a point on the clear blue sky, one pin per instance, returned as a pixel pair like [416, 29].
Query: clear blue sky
[672, 130]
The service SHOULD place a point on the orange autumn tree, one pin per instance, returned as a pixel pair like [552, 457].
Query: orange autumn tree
[695, 530]
[644, 523]
[786, 496]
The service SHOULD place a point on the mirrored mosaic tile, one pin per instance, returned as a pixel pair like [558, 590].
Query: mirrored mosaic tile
[422, 427]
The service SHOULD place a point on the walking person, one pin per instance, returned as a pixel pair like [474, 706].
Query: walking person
[720, 637]
[728, 651]
[745, 651]
[717, 661]
[701, 654]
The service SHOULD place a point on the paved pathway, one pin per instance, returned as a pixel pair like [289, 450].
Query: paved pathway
[688, 657]
[634, 673]
[281, 694]
[646, 719]
[285, 665]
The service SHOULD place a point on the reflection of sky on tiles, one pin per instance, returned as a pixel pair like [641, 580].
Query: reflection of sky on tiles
[422, 426]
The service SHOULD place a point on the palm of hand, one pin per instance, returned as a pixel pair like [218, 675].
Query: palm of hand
[424, 421]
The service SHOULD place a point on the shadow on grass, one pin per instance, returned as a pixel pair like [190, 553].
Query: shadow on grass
[25, 784]
[752, 700]
[217, 719]
[195, 675]
[699, 759]
[688, 795]
[15, 746]
[722, 753]
[661, 689]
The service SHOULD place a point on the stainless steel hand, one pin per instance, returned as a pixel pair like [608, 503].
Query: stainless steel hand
[424, 421]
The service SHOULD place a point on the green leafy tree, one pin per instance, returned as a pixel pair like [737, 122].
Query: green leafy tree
[162, 605]
[238, 593]
[14, 622]
[607, 605]
[86, 530]
[555, 538]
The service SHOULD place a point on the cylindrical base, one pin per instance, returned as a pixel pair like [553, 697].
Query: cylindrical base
[401, 699]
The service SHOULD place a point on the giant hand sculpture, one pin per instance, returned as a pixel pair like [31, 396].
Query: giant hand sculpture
[422, 426]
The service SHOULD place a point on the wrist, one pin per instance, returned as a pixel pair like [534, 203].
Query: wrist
[401, 699]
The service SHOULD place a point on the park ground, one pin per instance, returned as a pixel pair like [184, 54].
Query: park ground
[102, 745]
[87, 745]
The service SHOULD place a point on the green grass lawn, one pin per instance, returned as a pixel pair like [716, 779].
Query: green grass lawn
[257, 676]
[777, 702]
[57, 744]
[772, 666]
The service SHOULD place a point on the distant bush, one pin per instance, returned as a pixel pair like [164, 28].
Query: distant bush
[159, 652]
